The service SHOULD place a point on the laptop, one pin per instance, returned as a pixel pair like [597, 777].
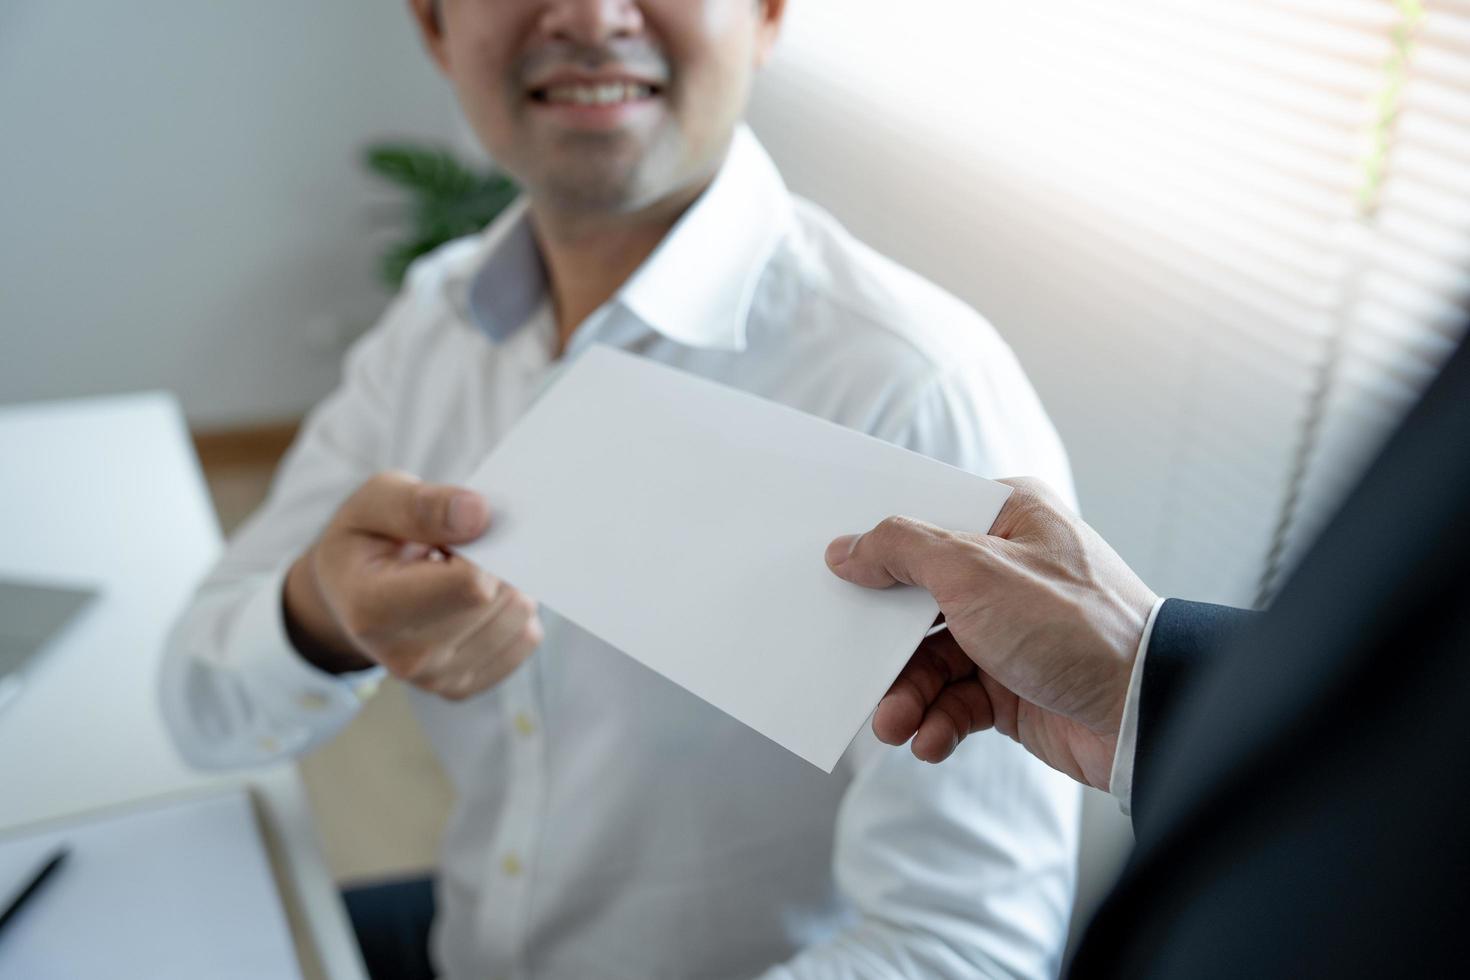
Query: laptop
[31, 616]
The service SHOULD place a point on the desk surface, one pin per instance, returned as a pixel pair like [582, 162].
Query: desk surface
[107, 493]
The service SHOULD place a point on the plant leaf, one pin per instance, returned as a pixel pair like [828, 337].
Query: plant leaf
[427, 170]
[447, 200]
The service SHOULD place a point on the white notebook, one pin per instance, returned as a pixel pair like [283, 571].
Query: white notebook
[174, 890]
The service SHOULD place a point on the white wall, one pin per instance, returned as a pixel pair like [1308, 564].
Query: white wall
[181, 202]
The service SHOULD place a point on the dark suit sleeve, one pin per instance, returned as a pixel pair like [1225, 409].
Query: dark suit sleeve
[1185, 636]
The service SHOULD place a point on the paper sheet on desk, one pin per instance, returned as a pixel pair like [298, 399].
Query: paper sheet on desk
[685, 524]
[172, 890]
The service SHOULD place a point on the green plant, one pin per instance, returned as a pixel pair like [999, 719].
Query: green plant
[446, 200]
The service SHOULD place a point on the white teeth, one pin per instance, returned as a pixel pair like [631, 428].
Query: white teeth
[605, 94]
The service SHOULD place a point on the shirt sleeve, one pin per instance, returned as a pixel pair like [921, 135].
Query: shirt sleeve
[967, 868]
[234, 691]
[1120, 783]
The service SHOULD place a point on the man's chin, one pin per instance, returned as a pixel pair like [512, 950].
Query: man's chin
[609, 172]
[598, 189]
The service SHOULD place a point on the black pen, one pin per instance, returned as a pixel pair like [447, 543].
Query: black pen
[33, 886]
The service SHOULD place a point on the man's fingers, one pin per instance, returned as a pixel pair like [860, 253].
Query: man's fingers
[489, 654]
[937, 701]
[401, 507]
[961, 709]
[403, 599]
[1030, 486]
[1032, 505]
[493, 668]
[1005, 707]
[515, 620]
[938, 662]
[477, 632]
[899, 550]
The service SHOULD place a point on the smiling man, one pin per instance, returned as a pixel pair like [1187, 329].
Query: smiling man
[607, 823]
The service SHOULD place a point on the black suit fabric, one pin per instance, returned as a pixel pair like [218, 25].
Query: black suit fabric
[1185, 636]
[1303, 810]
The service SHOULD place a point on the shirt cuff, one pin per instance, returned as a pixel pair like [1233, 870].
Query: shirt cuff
[1120, 784]
[297, 699]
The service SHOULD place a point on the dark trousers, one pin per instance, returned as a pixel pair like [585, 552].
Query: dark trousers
[392, 925]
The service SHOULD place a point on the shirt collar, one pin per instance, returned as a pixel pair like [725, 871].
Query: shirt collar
[697, 286]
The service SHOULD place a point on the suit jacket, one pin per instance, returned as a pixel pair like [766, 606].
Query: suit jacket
[1302, 793]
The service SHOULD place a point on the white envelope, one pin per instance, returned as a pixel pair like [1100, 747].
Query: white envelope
[685, 523]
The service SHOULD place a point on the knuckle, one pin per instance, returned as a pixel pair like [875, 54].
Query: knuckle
[469, 589]
[1030, 491]
[405, 662]
[374, 502]
[897, 533]
[894, 524]
[893, 529]
[491, 588]
[523, 605]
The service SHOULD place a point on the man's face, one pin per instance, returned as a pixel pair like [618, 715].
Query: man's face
[602, 105]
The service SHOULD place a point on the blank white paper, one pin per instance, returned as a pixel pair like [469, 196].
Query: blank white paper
[685, 523]
[178, 891]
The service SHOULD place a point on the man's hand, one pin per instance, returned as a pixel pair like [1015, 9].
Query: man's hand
[381, 587]
[1044, 624]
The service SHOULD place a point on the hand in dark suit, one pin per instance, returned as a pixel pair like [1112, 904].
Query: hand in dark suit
[1044, 621]
[1299, 794]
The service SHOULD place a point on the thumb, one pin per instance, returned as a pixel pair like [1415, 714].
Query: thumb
[899, 551]
[404, 508]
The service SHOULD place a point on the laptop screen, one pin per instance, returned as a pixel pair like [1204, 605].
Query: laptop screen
[30, 616]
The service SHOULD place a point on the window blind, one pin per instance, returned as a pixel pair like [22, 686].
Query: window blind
[1404, 309]
[1164, 207]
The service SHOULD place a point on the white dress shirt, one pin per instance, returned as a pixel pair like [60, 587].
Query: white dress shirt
[607, 823]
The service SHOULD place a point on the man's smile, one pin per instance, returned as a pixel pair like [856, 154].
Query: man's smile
[601, 100]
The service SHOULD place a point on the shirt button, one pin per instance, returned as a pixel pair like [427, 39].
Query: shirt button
[268, 744]
[511, 865]
[524, 724]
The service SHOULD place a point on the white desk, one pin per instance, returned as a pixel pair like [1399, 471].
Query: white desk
[107, 492]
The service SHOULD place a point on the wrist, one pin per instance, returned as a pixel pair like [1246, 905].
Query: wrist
[310, 626]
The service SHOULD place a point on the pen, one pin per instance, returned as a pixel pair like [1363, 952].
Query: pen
[33, 886]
